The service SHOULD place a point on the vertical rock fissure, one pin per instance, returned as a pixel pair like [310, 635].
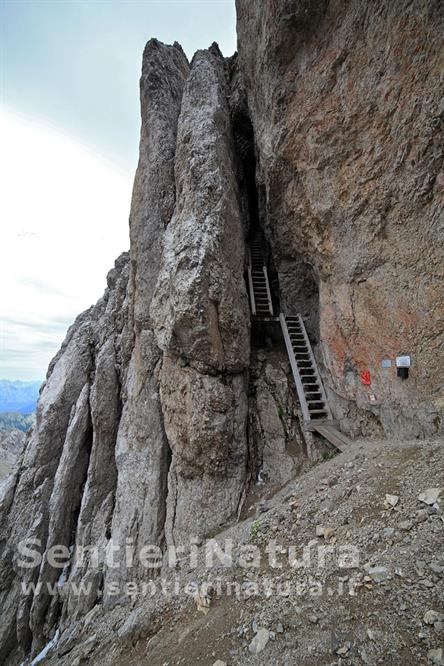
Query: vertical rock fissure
[64, 506]
[246, 158]
[245, 161]
[276, 443]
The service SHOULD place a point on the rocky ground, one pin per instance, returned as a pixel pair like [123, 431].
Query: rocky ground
[379, 603]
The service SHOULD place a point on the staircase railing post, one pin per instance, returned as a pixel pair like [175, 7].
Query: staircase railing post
[250, 284]
[315, 367]
[295, 371]
[270, 303]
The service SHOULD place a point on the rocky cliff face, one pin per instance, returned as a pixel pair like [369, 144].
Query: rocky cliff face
[162, 405]
[347, 107]
[141, 430]
[200, 313]
[63, 489]
[11, 441]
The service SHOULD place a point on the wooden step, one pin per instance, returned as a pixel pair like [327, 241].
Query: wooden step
[334, 436]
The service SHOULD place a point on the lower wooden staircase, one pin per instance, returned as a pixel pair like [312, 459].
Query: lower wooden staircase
[315, 410]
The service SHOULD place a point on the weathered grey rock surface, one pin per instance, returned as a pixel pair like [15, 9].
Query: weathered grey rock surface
[201, 314]
[54, 494]
[396, 578]
[274, 422]
[11, 441]
[142, 454]
[347, 107]
[163, 406]
[141, 429]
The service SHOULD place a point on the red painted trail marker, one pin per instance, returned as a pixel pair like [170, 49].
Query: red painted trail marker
[366, 378]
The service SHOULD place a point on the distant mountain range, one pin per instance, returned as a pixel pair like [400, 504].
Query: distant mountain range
[18, 396]
[16, 421]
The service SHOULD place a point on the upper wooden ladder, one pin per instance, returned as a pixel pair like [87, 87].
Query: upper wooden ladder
[259, 286]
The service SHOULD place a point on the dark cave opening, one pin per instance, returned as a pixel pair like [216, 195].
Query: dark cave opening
[253, 206]
[292, 279]
[245, 150]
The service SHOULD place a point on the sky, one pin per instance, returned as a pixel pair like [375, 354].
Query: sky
[69, 133]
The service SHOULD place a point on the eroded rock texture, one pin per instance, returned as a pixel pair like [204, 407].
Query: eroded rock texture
[201, 315]
[274, 425]
[141, 429]
[325, 135]
[11, 442]
[347, 107]
[200, 307]
[142, 451]
[60, 487]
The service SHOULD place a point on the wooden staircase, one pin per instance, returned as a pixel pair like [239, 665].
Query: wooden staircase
[259, 286]
[305, 372]
[316, 412]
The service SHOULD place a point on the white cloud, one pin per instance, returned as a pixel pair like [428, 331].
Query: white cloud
[64, 219]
